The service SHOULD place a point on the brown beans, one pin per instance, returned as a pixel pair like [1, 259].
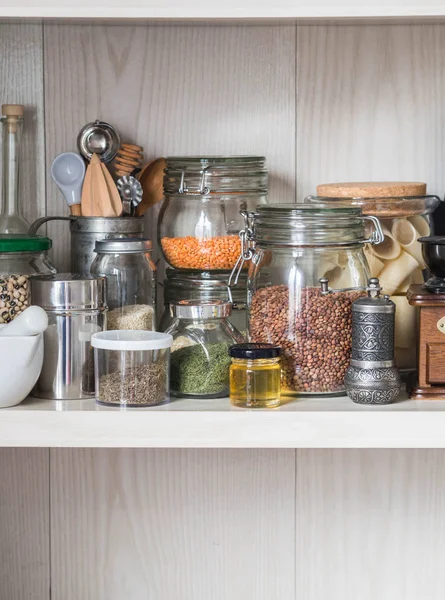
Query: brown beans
[313, 330]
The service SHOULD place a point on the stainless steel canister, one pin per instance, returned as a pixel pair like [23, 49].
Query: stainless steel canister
[372, 377]
[76, 308]
[85, 231]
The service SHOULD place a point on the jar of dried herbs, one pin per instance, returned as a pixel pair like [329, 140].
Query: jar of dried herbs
[132, 368]
[202, 335]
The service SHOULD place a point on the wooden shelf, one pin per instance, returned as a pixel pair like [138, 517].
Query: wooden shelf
[214, 9]
[304, 423]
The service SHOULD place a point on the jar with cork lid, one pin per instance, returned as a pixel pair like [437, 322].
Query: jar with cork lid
[306, 267]
[404, 210]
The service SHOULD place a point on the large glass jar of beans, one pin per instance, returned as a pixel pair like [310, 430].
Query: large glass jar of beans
[21, 257]
[200, 218]
[307, 266]
[404, 209]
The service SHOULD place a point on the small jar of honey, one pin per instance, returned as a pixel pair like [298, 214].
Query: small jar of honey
[255, 375]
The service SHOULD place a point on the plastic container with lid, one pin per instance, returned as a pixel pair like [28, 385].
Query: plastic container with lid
[132, 368]
[131, 282]
[255, 375]
[205, 286]
[21, 256]
[200, 217]
[404, 210]
[292, 248]
[202, 335]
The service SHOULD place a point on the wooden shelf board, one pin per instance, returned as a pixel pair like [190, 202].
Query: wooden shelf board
[212, 11]
[303, 423]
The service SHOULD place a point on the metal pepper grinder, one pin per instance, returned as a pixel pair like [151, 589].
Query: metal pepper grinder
[372, 377]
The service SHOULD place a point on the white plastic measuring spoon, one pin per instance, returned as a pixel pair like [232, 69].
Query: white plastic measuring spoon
[68, 172]
[31, 321]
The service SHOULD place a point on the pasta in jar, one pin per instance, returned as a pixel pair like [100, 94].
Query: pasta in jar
[403, 209]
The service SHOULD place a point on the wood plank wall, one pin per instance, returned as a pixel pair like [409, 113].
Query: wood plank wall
[322, 103]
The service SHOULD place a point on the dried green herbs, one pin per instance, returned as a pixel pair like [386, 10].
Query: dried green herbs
[200, 370]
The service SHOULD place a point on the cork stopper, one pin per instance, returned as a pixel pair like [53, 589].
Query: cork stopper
[372, 189]
[12, 110]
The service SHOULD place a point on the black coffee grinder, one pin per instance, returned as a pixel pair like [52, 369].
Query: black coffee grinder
[433, 251]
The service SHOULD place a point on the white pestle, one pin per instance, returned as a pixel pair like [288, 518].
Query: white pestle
[31, 321]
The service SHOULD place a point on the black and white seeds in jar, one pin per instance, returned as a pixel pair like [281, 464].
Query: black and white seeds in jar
[13, 296]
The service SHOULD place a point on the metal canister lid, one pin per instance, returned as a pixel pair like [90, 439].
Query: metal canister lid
[373, 302]
[193, 309]
[68, 291]
[123, 246]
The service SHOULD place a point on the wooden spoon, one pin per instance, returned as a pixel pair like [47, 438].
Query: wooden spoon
[151, 178]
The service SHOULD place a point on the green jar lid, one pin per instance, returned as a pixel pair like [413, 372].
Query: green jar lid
[24, 243]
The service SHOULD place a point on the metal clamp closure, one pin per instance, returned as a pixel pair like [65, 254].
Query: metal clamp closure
[183, 185]
[203, 189]
[325, 289]
[377, 236]
[246, 236]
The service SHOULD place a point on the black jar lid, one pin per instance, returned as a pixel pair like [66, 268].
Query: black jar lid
[252, 351]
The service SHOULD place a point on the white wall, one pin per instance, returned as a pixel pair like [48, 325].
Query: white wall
[222, 524]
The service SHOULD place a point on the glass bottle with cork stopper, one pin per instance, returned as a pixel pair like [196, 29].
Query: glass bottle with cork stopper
[10, 219]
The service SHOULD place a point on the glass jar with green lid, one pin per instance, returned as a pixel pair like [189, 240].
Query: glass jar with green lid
[200, 218]
[307, 265]
[21, 257]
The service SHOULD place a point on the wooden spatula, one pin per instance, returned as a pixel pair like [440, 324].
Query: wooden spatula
[115, 199]
[86, 203]
[98, 197]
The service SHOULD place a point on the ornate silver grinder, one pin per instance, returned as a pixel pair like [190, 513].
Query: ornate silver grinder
[372, 377]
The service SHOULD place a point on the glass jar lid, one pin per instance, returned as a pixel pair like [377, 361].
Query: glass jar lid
[307, 225]
[193, 309]
[123, 246]
[204, 285]
[253, 351]
[203, 175]
[24, 243]
[384, 207]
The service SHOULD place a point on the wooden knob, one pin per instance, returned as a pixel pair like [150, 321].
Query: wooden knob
[12, 110]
